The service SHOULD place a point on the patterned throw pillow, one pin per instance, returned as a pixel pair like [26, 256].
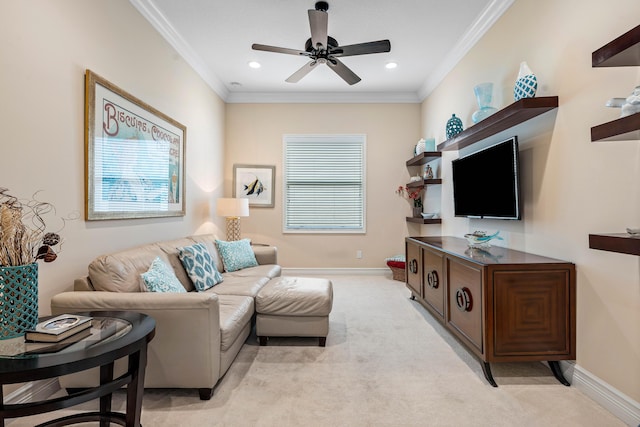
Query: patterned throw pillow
[236, 255]
[161, 278]
[198, 263]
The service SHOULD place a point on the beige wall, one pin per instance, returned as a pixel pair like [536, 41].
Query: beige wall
[571, 186]
[254, 136]
[47, 45]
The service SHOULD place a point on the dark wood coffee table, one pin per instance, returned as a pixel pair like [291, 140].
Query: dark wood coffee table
[115, 334]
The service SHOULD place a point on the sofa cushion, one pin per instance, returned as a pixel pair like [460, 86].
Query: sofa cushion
[160, 278]
[269, 270]
[235, 314]
[120, 271]
[170, 248]
[245, 286]
[236, 255]
[198, 264]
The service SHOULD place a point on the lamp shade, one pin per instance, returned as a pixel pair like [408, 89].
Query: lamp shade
[231, 207]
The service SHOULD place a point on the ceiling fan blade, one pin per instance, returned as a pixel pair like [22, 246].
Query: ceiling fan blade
[318, 21]
[343, 71]
[298, 75]
[275, 49]
[379, 46]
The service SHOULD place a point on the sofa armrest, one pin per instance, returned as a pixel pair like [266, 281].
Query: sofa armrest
[265, 254]
[185, 351]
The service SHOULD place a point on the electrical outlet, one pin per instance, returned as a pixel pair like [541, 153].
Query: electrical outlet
[359, 254]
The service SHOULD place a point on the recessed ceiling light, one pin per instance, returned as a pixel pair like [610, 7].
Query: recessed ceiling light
[254, 64]
[391, 65]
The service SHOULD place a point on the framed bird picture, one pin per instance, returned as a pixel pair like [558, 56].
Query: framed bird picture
[256, 183]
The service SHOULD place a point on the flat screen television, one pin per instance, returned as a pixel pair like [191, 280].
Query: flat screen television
[486, 184]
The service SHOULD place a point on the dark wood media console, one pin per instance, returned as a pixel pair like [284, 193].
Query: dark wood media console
[504, 305]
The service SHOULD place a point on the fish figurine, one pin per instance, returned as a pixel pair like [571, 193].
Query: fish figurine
[480, 238]
[254, 187]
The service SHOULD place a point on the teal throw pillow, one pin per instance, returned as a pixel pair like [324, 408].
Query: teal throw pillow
[236, 255]
[161, 278]
[198, 264]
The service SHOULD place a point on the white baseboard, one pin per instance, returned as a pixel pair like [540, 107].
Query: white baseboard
[33, 391]
[336, 271]
[616, 402]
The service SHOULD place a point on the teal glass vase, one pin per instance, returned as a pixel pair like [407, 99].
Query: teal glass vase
[484, 93]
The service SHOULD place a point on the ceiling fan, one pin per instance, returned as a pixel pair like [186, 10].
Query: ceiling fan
[323, 49]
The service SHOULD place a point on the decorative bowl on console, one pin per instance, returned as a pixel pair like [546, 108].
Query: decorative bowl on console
[480, 239]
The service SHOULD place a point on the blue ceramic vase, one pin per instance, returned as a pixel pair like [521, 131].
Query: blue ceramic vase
[454, 126]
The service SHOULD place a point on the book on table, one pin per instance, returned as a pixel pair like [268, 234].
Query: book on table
[58, 328]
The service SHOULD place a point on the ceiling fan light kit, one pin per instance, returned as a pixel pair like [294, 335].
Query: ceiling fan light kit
[323, 49]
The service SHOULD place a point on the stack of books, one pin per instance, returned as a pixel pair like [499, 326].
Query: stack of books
[60, 328]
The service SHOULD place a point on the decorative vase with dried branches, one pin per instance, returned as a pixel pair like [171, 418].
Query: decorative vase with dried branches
[24, 240]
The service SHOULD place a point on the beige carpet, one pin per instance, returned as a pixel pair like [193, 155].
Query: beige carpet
[387, 363]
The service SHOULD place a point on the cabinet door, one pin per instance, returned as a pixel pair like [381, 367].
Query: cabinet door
[433, 280]
[414, 268]
[464, 301]
[532, 313]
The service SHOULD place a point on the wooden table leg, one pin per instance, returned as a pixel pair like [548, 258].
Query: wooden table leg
[135, 390]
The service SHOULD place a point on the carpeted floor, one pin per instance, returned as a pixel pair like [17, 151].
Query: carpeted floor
[387, 363]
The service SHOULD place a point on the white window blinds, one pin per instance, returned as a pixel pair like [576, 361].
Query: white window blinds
[324, 183]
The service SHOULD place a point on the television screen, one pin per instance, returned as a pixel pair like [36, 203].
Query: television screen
[486, 183]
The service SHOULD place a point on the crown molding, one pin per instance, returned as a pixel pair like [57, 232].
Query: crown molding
[486, 19]
[322, 98]
[151, 13]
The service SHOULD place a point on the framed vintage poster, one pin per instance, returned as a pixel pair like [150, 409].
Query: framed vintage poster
[134, 156]
[256, 183]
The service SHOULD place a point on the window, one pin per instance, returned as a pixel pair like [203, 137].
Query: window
[324, 183]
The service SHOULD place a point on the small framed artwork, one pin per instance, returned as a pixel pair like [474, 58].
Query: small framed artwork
[256, 183]
[134, 156]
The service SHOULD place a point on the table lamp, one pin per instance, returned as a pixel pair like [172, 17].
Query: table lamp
[233, 209]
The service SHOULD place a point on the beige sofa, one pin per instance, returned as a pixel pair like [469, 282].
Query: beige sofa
[198, 334]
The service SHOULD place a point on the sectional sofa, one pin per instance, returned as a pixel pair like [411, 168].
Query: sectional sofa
[198, 333]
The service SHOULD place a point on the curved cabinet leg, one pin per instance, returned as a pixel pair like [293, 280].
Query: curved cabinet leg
[413, 297]
[557, 372]
[486, 369]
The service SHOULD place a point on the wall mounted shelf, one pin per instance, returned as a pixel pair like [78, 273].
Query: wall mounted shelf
[622, 129]
[424, 158]
[620, 242]
[621, 52]
[424, 182]
[512, 115]
[424, 221]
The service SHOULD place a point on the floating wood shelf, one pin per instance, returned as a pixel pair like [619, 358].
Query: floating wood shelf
[622, 129]
[424, 182]
[424, 158]
[424, 221]
[512, 115]
[621, 52]
[621, 242]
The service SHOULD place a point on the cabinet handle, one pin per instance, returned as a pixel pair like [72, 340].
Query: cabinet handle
[463, 299]
[413, 266]
[432, 279]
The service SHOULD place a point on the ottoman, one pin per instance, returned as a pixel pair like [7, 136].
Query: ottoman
[294, 307]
